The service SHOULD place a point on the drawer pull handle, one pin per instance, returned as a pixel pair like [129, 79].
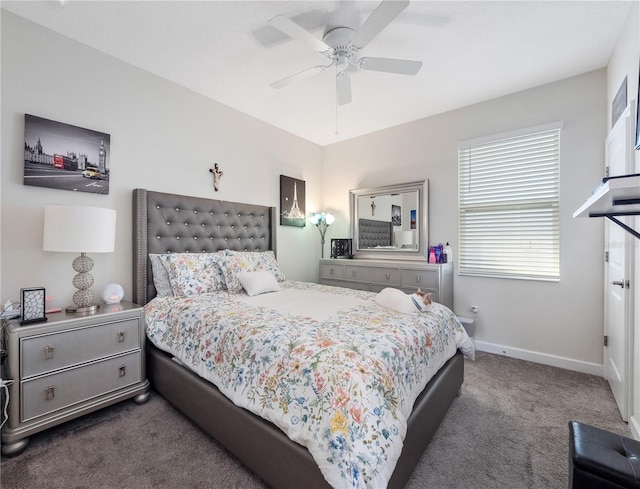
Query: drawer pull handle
[353, 273]
[51, 392]
[418, 278]
[120, 336]
[331, 271]
[49, 352]
[388, 275]
[122, 370]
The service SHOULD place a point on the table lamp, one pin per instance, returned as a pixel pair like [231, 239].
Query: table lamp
[403, 239]
[82, 230]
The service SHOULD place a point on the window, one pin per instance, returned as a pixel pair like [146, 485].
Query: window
[509, 205]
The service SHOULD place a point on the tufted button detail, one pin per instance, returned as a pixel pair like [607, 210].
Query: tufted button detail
[177, 237]
[168, 222]
[157, 207]
[158, 237]
[218, 226]
[186, 223]
[177, 210]
[195, 237]
[226, 214]
[195, 211]
[245, 226]
[211, 238]
[225, 238]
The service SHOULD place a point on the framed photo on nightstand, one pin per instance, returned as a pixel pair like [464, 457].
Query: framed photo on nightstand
[32, 301]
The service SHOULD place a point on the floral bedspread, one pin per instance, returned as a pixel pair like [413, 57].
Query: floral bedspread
[342, 385]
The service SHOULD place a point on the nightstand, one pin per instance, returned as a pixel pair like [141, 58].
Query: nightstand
[69, 366]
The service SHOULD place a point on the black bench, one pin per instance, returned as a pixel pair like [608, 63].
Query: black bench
[599, 459]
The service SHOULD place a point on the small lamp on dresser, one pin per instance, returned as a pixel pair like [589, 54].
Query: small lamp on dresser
[322, 220]
[403, 239]
[82, 230]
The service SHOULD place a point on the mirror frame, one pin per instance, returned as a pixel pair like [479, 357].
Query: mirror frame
[422, 187]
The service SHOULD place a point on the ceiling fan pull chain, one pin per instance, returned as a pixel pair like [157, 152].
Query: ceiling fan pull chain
[336, 113]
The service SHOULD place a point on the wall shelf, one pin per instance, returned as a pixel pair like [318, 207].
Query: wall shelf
[615, 197]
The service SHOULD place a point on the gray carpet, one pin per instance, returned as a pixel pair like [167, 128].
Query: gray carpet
[507, 430]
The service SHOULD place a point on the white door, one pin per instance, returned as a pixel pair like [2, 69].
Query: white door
[618, 243]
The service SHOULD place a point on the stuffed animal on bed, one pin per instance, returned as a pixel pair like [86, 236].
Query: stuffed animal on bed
[405, 303]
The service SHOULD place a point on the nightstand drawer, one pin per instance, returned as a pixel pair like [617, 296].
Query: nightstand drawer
[46, 353]
[65, 388]
[424, 279]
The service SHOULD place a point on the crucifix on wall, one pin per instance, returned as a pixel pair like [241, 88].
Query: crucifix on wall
[217, 176]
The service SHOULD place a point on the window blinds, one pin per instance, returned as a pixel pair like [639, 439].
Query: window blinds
[509, 194]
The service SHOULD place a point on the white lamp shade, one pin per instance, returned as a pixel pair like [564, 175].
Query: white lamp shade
[402, 238]
[79, 229]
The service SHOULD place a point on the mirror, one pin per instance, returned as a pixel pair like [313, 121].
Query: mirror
[390, 222]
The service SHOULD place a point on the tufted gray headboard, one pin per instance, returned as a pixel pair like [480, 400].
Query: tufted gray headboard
[373, 233]
[169, 223]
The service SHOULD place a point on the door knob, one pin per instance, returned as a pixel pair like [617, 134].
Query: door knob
[618, 282]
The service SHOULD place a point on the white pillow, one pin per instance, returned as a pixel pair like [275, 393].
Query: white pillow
[160, 276]
[259, 282]
[234, 262]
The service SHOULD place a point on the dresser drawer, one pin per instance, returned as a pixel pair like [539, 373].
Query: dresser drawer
[420, 279]
[357, 274]
[335, 272]
[60, 390]
[41, 354]
[386, 276]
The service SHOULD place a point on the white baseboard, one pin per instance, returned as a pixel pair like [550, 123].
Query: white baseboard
[543, 358]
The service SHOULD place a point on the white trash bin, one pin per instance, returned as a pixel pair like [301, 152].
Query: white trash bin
[468, 324]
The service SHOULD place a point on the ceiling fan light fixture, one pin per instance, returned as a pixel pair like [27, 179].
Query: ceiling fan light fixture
[342, 63]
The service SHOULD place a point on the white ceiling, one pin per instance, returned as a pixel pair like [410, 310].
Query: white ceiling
[226, 50]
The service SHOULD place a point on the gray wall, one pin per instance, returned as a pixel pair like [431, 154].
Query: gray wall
[163, 137]
[556, 323]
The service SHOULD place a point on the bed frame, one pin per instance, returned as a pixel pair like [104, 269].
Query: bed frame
[174, 223]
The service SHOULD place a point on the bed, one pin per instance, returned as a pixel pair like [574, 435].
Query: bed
[174, 224]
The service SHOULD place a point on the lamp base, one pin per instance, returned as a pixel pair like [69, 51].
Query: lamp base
[92, 309]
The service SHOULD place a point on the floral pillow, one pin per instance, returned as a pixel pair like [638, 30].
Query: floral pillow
[194, 273]
[234, 262]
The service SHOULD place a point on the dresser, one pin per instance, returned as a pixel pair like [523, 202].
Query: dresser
[69, 366]
[375, 275]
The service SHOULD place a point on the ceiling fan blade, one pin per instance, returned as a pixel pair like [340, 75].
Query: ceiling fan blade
[293, 30]
[391, 65]
[343, 88]
[303, 75]
[378, 20]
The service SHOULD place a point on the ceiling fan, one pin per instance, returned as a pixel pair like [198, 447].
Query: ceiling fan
[342, 45]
